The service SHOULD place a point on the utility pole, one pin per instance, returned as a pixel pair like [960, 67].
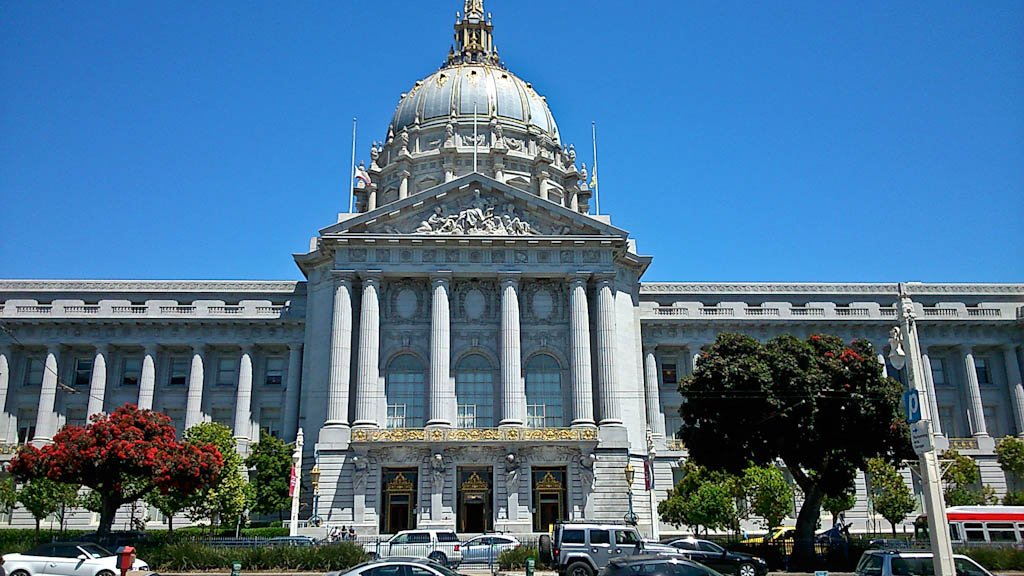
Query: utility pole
[921, 431]
[296, 483]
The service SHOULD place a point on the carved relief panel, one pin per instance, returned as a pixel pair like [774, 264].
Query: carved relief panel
[475, 302]
[407, 301]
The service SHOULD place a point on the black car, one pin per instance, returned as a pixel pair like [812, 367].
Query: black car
[655, 565]
[714, 556]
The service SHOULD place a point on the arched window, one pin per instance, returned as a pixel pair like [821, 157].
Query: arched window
[543, 392]
[474, 391]
[406, 392]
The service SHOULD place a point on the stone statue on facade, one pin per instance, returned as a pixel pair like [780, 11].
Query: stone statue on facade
[449, 134]
[403, 138]
[586, 466]
[478, 217]
[437, 468]
[583, 176]
[896, 341]
[497, 134]
[512, 464]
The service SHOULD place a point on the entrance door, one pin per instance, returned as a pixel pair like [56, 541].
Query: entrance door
[398, 500]
[549, 497]
[474, 500]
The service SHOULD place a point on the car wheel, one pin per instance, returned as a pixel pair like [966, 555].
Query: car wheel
[20, 573]
[104, 573]
[544, 548]
[746, 569]
[439, 557]
[579, 569]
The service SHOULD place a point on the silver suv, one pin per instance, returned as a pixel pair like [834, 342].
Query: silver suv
[583, 549]
[441, 546]
[911, 563]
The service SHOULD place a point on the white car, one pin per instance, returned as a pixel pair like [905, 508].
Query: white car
[66, 559]
[441, 546]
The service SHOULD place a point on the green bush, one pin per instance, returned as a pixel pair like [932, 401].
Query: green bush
[21, 540]
[227, 532]
[187, 556]
[1002, 558]
[515, 559]
[1013, 499]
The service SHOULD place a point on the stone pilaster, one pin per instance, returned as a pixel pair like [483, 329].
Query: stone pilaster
[291, 393]
[579, 336]
[147, 380]
[368, 392]
[341, 353]
[194, 397]
[655, 421]
[243, 398]
[513, 391]
[442, 391]
[46, 419]
[978, 426]
[610, 404]
[881, 360]
[98, 382]
[1013, 382]
[933, 404]
[5, 382]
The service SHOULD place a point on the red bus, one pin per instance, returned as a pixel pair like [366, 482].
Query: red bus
[979, 525]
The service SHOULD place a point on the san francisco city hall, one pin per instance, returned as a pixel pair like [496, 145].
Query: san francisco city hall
[472, 348]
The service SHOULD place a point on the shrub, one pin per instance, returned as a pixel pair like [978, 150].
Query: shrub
[189, 556]
[1014, 499]
[515, 559]
[1002, 558]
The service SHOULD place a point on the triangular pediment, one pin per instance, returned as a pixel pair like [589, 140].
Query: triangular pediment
[474, 205]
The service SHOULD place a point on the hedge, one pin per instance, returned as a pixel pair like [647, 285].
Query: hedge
[186, 557]
[515, 559]
[1002, 558]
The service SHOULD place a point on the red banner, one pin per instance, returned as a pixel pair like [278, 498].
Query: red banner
[291, 482]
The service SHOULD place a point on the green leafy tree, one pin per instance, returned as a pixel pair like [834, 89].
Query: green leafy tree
[43, 497]
[890, 495]
[702, 498]
[1010, 455]
[820, 405]
[8, 494]
[270, 463]
[836, 505]
[768, 494]
[170, 503]
[961, 482]
[223, 499]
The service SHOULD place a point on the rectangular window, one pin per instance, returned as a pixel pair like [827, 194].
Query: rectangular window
[396, 416]
[983, 371]
[535, 415]
[599, 537]
[26, 425]
[177, 373]
[33, 372]
[222, 416]
[946, 419]
[669, 376]
[274, 373]
[83, 371]
[270, 421]
[991, 414]
[939, 371]
[467, 416]
[227, 369]
[131, 371]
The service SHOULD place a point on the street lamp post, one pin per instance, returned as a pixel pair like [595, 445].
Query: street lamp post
[295, 483]
[905, 349]
[314, 477]
[630, 472]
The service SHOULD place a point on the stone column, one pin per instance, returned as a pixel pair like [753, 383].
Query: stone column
[579, 337]
[368, 393]
[403, 186]
[98, 383]
[933, 404]
[5, 380]
[46, 419]
[147, 380]
[881, 360]
[1013, 382]
[513, 389]
[610, 404]
[194, 397]
[978, 426]
[654, 417]
[371, 198]
[291, 393]
[341, 353]
[243, 397]
[442, 391]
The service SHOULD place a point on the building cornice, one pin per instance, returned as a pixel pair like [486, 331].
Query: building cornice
[785, 288]
[235, 286]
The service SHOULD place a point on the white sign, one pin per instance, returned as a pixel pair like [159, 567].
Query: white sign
[921, 436]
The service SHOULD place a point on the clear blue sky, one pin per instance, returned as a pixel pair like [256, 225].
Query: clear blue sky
[739, 140]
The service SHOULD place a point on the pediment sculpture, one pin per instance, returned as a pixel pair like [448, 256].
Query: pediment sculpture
[482, 217]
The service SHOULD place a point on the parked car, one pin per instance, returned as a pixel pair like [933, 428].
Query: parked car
[441, 546]
[655, 565]
[776, 535]
[582, 549]
[398, 567]
[299, 541]
[715, 556]
[485, 549]
[66, 559]
[115, 538]
[912, 563]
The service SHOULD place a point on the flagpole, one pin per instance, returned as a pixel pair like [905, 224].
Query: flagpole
[597, 197]
[352, 171]
[474, 137]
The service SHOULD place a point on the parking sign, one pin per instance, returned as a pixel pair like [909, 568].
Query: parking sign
[912, 406]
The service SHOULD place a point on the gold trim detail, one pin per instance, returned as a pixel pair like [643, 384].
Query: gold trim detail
[549, 484]
[475, 484]
[963, 443]
[399, 485]
[474, 435]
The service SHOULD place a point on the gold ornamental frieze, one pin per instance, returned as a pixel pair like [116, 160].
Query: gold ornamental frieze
[475, 435]
[475, 484]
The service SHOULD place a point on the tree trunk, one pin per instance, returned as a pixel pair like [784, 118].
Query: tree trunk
[893, 524]
[170, 523]
[37, 525]
[108, 509]
[804, 558]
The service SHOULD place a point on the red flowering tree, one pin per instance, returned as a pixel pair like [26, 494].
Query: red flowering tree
[122, 457]
[820, 405]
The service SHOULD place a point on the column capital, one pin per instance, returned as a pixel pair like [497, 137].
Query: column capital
[200, 348]
[151, 348]
[295, 346]
[604, 278]
[509, 277]
[441, 276]
[372, 277]
[54, 348]
[102, 348]
[649, 348]
[343, 276]
[248, 348]
[578, 278]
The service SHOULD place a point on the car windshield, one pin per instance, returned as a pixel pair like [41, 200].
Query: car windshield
[710, 547]
[96, 551]
[446, 571]
[913, 566]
